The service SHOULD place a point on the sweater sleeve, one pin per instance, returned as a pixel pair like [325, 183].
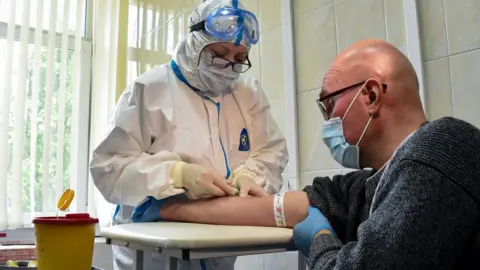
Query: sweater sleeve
[422, 220]
[340, 199]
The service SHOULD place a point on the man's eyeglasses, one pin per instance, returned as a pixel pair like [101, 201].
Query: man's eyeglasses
[223, 63]
[326, 103]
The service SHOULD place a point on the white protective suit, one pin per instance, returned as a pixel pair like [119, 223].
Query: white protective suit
[159, 120]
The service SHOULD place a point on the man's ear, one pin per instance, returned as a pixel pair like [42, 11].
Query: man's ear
[373, 96]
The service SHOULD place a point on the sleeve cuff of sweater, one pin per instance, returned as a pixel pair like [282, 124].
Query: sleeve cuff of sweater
[323, 244]
[325, 240]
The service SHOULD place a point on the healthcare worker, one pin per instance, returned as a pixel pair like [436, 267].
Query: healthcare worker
[196, 126]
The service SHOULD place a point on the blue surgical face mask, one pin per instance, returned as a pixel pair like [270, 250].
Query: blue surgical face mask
[333, 136]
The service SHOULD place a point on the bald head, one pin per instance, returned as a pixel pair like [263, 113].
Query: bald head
[374, 89]
[373, 58]
[380, 60]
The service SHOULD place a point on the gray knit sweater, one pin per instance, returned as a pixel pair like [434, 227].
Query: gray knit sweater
[421, 212]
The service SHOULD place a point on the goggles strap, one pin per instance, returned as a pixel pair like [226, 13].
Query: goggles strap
[198, 27]
[240, 33]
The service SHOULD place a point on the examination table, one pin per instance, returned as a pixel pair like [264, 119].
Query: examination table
[189, 241]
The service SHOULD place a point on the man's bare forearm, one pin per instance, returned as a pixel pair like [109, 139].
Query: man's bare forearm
[245, 211]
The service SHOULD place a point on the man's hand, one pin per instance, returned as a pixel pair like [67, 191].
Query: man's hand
[200, 181]
[314, 225]
[246, 186]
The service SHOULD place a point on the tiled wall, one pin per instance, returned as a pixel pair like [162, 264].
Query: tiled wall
[322, 29]
[267, 56]
[450, 39]
[267, 59]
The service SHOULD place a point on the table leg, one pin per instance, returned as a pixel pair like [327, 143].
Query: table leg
[172, 263]
[139, 260]
[302, 261]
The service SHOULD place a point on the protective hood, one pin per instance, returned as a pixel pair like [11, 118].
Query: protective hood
[188, 51]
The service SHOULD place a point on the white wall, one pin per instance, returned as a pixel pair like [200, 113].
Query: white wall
[322, 29]
[451, 48]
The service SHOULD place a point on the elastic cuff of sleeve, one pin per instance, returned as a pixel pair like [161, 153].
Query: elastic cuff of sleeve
[244, 171]
[237, 174]
[177, 174]
[324, 231]
[149, 211]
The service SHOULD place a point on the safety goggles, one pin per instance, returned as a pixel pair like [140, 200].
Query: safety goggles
[228, 23]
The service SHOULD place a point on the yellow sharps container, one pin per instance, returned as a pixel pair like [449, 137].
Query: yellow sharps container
[65, 242]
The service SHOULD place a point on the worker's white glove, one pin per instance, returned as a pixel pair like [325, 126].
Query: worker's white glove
[243, 181]
[200, 181]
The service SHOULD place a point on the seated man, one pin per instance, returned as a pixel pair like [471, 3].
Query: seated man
[419, 208]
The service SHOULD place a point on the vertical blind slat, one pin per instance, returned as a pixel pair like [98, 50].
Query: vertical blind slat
[61, 103]
[143, 38]
[37, 46]
[75, 96]
[48, 104]
[19, 121]
[112, 59]
[5, 110]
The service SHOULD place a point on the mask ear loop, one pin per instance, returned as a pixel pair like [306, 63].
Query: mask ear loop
[348, 109]
[351, 103]
[365, 129]
[369, 120]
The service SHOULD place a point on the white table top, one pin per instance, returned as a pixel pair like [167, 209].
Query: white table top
[176, 235]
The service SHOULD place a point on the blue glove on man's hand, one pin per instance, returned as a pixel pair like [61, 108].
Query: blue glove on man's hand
[305, 231]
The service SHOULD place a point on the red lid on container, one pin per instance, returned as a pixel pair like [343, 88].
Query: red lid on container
[68, 219]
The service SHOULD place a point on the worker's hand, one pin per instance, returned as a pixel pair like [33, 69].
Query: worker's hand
[305, 231]
[200, 182]
[244, 183]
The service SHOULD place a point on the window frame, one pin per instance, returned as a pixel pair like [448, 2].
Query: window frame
[25, 235]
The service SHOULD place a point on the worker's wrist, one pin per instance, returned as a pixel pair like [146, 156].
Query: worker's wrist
[176, 174]
[168, 210]
[237, 176]
[323, 232]
[244, 173]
